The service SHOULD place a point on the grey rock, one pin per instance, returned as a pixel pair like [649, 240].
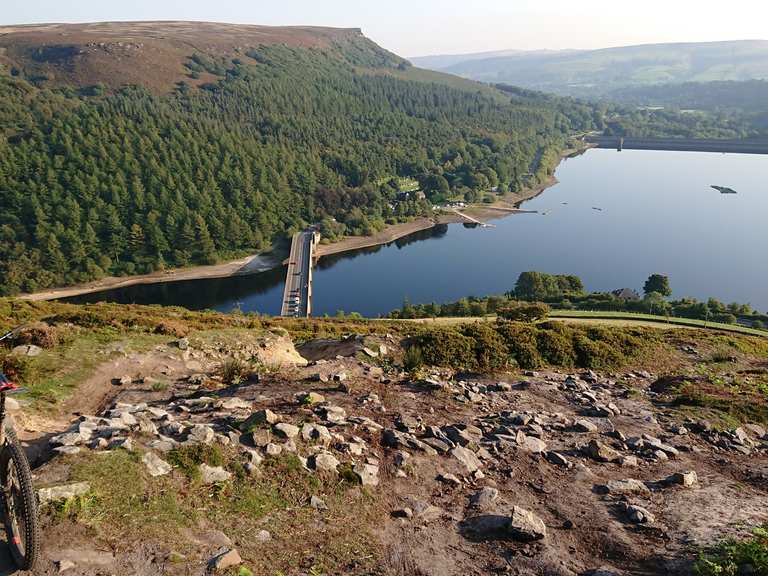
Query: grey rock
[226, 560]
[333, 414]
[467, 458]
[260, 418]
[437, 444]
[27, 350]
[62, 492]
[685, 479]
[235, 403]
[67, 450]
[656, 444]
[316, 433]
[639, 515]
[156, 465]
[311, 398]
[323, 462]
[402, 513]
[263, 536]
[484, 498]
[124, 443]
[584, 426]
[600, 452]
[261, 437]
[449, 479]
[64, 565]
[557, 459]
[629, 461]
[286, 431]
[163, 444]
[213, 474]
[463, 435]
[318, 503]
[273, 449]
[525, 525]
[367, 474]
[67, 439]
[532, 444]
[626, 487]
[201, 434]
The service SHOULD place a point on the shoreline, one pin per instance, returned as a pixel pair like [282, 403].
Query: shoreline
[254, 264]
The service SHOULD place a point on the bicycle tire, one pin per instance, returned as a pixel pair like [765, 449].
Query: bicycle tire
[24, 540]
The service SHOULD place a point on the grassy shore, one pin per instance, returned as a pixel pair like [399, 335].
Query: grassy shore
[613, 319]
[503, 207]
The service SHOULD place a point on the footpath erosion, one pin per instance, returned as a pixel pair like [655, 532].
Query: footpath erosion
[233, 453]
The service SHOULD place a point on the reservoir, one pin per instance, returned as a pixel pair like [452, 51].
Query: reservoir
[613, 219]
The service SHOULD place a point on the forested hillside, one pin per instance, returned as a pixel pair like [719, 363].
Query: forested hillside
[99, 180]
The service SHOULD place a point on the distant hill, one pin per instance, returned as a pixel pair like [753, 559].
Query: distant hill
[596, 72]
[443, 61]
[155, 54]
[126, 148]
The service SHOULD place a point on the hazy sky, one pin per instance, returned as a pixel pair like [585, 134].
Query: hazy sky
[419, 27]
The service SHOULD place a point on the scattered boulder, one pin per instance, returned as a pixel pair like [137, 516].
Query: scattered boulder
[626, 487]
[637, 514]
[449, 479]
[27, 350]
[260, 418]
[531, 443]
[62, 492]
[467, 458]
[685, 479]
[316, 433]
[156, 465]
[333, 414]
[525, 525]
[317, 503]
[311, 398]
[235, 403]
[286, 431]
[584, 426]
[367, 474]
[225, 561]
[213, 474]
[200, 434]
[324, 462]
[600, 452]
[557, 459]
[484, 498]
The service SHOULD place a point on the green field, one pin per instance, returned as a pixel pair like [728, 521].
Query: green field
[614, 318]
[582, 314]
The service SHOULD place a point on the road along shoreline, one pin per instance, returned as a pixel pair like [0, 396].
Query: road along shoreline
[254, 264]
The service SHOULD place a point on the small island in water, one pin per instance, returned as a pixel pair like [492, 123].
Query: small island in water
[724, 190]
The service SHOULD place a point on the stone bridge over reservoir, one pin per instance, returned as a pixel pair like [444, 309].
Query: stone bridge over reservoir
[297, 296]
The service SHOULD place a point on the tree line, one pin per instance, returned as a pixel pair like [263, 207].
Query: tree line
[96, 183]
[566, 292]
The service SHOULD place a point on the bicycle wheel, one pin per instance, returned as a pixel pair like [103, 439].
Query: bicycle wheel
[21, 521]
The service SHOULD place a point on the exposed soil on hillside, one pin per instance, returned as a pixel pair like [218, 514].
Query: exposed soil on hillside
[544, 472]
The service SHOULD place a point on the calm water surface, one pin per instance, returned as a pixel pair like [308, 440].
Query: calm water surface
[613, 219]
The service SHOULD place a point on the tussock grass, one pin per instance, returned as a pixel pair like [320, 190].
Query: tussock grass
[126, 505]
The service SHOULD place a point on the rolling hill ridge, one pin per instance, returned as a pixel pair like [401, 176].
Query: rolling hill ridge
[596, 72]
